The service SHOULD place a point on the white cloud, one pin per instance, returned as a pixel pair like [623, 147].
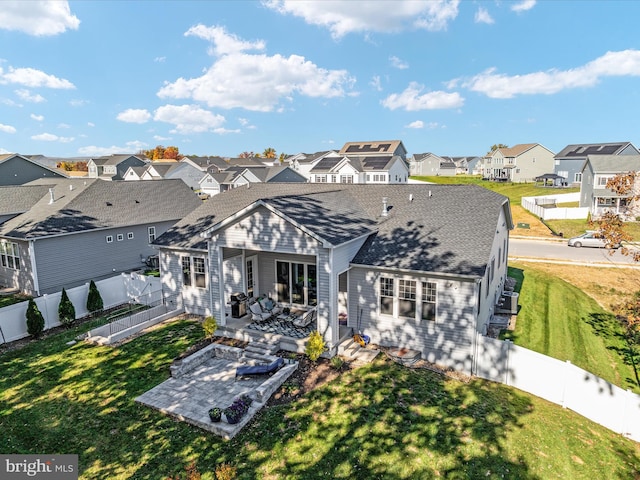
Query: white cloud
[78, 103]
[342, 17]
[375, 83]
[415, 124]
[3, 151]
[47, 17]
[224, 131]
[64, 125]
[37, 118]
[523, 6]
[95, 151]
[133, 115]
[223, 43]
[91, 124]
[412, 99]
[7, 128]
[611, 64]
[482, 16]
[255, 82]
[243, 121]
[27, 96]
[30, 77]
[188, 118]
[397, 63]
[160, 138]
[50, 137]
[160, 59]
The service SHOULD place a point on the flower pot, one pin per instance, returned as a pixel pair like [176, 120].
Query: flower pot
[215, 414]
[233, 420]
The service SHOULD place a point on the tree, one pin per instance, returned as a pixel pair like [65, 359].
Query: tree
[66, 310]
[94, 300]
[172, 153]
[35, 320]
[283, 156]
[246, 154]
[269, 153]
[496, 147]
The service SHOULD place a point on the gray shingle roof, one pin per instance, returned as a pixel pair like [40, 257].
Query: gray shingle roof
[614, 163]
[19, 199]
[444, 228]
[96, 204]
[581, 150]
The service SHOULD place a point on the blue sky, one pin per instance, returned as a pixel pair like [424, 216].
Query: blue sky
[219, 78]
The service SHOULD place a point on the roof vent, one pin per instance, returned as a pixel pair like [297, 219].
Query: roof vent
[109, 204]
[70, 186]
[410, 197]
[51, 196]
[429, 193]
[385, 210]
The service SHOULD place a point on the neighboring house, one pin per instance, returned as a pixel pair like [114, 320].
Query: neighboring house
[431, 164]
[375, 148]
[464, 165]
[406, 270]
[355, 169]
[304, 162]
[134, 173]
[18, 169]
[72, 231]
[207, 164]
[250, 162]
[113, 167]
[594, 194]
[520, 163]
[570, 160]
[215, 183]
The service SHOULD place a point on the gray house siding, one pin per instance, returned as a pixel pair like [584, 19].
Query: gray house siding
[194, 300]
[586, 186]
[18, 278]
[288, 176]
[18, 171]
[448, 341]
[70, 260]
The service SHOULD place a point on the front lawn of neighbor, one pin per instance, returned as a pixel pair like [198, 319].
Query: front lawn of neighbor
[560, 320]
[378, 421]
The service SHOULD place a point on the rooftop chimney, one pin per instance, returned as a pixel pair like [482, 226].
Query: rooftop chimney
[51, 197]
[385, 212]
[70, 186]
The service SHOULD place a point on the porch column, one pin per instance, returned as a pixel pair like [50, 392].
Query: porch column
[216, 282]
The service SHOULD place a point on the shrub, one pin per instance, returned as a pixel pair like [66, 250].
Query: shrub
[315, 346]
[210, 326]
[66, 310]
[94, 300]
[224, 471]
[35, 320]
[337, 363]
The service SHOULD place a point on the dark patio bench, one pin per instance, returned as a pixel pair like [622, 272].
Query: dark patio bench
[259, 369]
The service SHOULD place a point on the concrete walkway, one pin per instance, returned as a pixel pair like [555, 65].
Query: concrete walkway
[206, 380]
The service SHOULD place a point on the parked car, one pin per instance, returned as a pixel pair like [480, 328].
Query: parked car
[589, 239]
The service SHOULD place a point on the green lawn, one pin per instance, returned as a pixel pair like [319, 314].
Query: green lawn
[515, 191]
[561, 321]
[379, 421]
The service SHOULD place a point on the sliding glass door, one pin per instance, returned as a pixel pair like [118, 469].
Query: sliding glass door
[296, 283]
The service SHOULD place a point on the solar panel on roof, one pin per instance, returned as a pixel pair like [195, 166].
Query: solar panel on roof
[609, 149]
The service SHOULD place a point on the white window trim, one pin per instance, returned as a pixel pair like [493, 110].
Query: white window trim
[109, 238]
[151, 232]
[120, 237]
[419, 300]
[130, 236]
[193, 274]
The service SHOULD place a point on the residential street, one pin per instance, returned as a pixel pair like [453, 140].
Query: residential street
[559, 250]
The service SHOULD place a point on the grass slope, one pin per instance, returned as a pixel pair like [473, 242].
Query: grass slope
[379, 421]
[561, 321]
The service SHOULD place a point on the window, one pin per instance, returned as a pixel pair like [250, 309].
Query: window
[429, 290]
[346, 178]
[407, 298]
[152, 234]
[194, 272]
[109, 238]
[186, 271]
[250, 278]
[368, 177]
[602, 180]
[120, 237]
[321, 179]
[577, 178]
[386, 295]
[492, 269]
[200, 272]
[10, 255]
[334, 178]
[130, 236]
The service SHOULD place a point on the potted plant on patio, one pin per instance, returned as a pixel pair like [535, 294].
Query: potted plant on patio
[215, 414]
[237, 409]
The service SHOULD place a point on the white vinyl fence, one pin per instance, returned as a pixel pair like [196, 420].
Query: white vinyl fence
[542, 206]
[562, 383]
[114, 291]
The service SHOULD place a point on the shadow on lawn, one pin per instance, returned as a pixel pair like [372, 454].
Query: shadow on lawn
[606, 326]
[386, 421]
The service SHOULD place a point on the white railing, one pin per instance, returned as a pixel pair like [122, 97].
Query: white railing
[561, 383]
[114, 291]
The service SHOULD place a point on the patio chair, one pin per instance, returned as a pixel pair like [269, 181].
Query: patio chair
[268, 305]
[257, 314]
[305, 319]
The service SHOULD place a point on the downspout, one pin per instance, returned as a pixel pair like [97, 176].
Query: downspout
[474, 348]
[332, 301]
[34, 269]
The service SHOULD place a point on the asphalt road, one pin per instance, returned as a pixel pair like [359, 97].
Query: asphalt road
[559, 250]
